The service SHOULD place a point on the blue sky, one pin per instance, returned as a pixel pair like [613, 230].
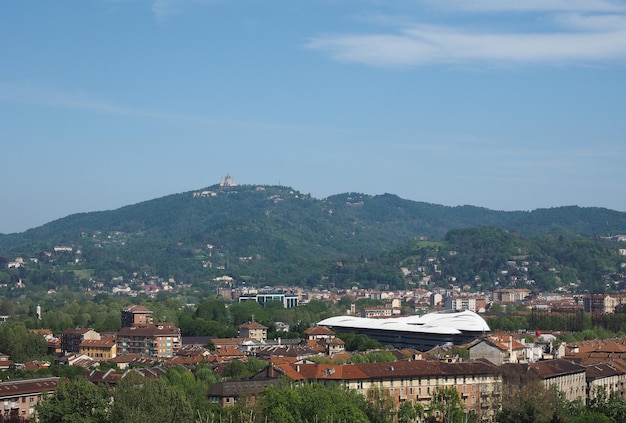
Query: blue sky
[510, 105]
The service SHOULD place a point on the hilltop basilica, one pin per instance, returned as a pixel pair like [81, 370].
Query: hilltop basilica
[228, 181]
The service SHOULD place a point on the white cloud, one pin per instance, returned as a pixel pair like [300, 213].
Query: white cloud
[529, 5]
[574, 38]
[162, 10]
[595, 22]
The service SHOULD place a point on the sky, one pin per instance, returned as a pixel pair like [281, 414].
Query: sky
[509, 105]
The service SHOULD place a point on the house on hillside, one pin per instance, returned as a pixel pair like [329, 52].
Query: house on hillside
[5, 362]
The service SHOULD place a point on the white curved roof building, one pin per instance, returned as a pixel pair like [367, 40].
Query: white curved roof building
[422, 332]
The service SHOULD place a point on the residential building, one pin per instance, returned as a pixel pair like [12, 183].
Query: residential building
[603, 303]
[227, 393]
[102, 349]
[317, 333]
[5, 362]
[152, 340]
[478, 383]
[136, 315]
[465, 303]
[253, 330]
[20, 397]
[498, 350]
[71, 339]
[510, 295]
[610, 377]
[564, 375]
[334, 346]
[373, 312]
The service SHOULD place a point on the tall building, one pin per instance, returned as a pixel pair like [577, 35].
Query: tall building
[72, 338]
[136, 315]
[152, 340]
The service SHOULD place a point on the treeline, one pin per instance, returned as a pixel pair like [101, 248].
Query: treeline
[182, 396]
[212, 316]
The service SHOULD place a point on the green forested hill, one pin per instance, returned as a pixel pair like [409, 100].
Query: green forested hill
[271, 234]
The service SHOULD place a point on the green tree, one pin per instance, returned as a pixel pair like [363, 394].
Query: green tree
[20, 344]
[77, 401]
[311, 402]
[213, 309]
[139, 400]
[359, 342]
[380, 407]
[409, 412]
[446, 406]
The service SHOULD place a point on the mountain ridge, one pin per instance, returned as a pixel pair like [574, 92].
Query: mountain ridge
[264, 234]
[470, 215]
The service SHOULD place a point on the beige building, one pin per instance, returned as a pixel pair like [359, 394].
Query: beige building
[475, 304]
[102, 349]
[479, 384]
[603, 303]
[318, 333]
[610, 377]
[373, 312]
[20, 397]
[510, 295]
[253, 330]
[564, 375]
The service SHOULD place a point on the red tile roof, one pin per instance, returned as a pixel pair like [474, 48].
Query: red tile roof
[253, 325]
[319, 330]
[28, 386]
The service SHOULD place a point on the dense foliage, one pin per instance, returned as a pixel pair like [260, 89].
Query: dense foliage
[272, 235]
[180, 396]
